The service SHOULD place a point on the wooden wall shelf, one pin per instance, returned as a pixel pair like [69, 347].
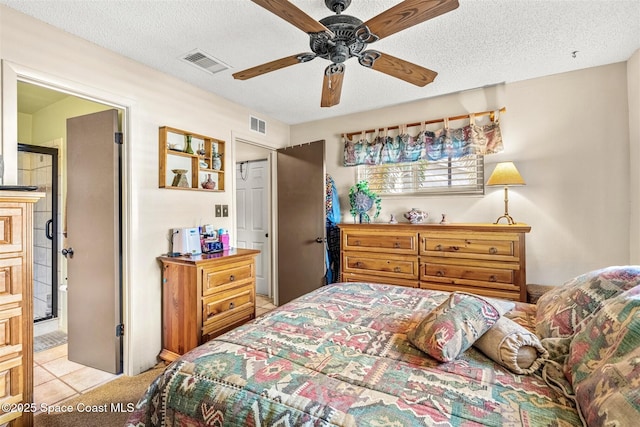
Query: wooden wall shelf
[199, 166]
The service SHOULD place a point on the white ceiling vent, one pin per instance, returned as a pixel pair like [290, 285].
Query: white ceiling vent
[204, 61]
[258, 125]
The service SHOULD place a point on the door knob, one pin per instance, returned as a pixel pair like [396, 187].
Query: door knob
[67, 253]
[319, 240]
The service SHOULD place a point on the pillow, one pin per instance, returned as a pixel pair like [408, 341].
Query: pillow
[512, 346]
[561, 311]
[603, 363]
[453, 326]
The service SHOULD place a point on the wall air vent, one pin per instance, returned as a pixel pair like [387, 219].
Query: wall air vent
[258, 125]
[204, 61]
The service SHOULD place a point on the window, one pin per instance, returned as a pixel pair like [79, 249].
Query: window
[463, 175]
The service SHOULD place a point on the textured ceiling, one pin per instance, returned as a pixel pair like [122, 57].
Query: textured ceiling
[483, 42]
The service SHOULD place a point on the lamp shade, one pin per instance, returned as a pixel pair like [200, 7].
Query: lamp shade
[505, 173]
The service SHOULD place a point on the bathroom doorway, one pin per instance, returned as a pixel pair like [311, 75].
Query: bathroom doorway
[38, 166]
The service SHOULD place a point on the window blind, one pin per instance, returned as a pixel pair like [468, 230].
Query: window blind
[447, 176]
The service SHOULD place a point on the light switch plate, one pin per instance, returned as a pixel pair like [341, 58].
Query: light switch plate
[225, 210]
[218, 210]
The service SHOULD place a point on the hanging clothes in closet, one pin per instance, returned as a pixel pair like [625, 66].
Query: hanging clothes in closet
[332, 255]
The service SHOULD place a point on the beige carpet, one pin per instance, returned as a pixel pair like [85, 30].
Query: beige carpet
[109, 404]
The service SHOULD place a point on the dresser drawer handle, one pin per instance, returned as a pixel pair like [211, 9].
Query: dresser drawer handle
[358, 264]
[396, 245]
[232, 278]
[454, 248]
[493, 278]
[356, 243]
[397, 269]
[232, 305]
[493, 250]
[439, 273]
[438, 247]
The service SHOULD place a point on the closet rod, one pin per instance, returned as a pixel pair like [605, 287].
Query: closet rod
[465, 116]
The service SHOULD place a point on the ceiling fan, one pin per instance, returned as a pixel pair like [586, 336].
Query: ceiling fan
[340, 37]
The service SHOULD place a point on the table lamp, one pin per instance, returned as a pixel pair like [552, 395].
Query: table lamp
[505, 174]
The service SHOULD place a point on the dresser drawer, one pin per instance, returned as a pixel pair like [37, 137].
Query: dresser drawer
[352, 278]
[478, 246]
[459, 273]
[224, 304]
[380, 265]
[493, 292]
[11, 387]
[381, 241]
[224, 277]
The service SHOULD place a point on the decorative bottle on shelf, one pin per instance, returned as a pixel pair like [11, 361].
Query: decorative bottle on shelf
[209, 184]
[217, 162]
[187, 147]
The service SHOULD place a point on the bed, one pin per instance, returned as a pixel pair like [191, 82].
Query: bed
[340, 356]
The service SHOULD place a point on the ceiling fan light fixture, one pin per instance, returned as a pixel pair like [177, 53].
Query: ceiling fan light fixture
[339, 37]
[337, 6]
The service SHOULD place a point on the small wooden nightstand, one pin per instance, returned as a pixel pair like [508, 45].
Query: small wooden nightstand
[204, 296]
[534, 292]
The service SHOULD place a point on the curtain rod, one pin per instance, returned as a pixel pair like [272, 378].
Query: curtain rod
[465, 116]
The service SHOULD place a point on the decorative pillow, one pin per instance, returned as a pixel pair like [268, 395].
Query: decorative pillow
[453, 326]
[512, 346]
[603, 363]
[562, 310]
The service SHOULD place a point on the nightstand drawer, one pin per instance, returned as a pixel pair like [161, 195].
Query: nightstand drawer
[231, 320]
[216, 280]
[380, 264]
[226, 303]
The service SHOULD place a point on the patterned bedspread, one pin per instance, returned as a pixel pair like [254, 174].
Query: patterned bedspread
[339, 356]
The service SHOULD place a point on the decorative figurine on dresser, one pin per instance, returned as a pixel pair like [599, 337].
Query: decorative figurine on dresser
[204, 296]
[485, 259]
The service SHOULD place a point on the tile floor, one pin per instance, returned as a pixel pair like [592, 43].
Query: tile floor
[56, 378]
[263, 304]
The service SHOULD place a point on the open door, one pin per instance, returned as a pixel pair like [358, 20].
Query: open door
[301, 220]
[93, 241]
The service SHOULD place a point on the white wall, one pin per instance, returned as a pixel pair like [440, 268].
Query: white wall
[568, 134]
[153, 99]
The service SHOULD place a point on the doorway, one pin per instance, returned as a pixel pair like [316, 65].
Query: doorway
[38, 166]
[43, 114]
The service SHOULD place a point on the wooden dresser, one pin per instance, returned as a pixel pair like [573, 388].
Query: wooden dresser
[16, 306]
[485, 259]
[205, 296]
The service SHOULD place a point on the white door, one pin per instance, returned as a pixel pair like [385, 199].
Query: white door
[92, 246]
[252, 190]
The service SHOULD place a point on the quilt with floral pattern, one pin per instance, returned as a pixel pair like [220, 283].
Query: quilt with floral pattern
[339, 356]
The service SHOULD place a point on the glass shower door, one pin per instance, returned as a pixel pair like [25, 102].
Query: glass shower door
[39, 166]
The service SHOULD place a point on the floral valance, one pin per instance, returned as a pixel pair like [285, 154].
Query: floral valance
[426, 145]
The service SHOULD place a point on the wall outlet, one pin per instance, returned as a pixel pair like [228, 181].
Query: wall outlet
[218, 210]
[225, 210]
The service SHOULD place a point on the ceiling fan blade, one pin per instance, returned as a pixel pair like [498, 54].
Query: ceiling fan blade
[273, 66]
[290, 13]
[407, 14]
[399, 68]
[332, 85]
